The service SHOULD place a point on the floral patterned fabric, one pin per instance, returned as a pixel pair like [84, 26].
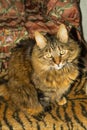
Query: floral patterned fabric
[11, 13]
[50, 14]
[19, 19]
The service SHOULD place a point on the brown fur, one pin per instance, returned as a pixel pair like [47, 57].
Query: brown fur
[58, 81]
[40, 68]
[20, 88]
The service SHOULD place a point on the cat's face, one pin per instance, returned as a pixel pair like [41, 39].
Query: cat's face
[55, 52]
[57, 55]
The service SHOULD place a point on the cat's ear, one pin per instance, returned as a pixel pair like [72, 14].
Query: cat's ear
[62, 34]
[40, 40]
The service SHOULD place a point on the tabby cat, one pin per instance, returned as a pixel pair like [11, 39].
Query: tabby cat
[35, 67]
[49, 67]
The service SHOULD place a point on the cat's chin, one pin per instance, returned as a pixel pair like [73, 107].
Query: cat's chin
[58, 67]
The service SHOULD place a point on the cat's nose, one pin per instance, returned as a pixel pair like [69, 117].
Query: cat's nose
[57, 60]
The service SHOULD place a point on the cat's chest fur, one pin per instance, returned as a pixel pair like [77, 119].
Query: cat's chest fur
[55, 79]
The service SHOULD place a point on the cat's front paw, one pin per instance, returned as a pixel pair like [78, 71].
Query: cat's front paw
[62, 101]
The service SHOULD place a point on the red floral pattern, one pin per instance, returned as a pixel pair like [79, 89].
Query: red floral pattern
[19, 19]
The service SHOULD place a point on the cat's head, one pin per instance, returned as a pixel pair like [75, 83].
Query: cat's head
[55, 52]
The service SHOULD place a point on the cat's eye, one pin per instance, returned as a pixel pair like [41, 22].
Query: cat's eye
[63, 52]
[48, 55]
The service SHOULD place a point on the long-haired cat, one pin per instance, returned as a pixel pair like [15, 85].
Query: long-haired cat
[50, 65]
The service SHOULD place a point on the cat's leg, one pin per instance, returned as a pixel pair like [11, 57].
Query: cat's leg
[60, 92]
[45, 97]
[53, 95]
[48, 98]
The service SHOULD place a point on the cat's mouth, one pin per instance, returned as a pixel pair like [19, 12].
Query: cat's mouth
[58, 67]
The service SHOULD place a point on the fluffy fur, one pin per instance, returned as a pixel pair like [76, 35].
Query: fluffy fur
[50, 65]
